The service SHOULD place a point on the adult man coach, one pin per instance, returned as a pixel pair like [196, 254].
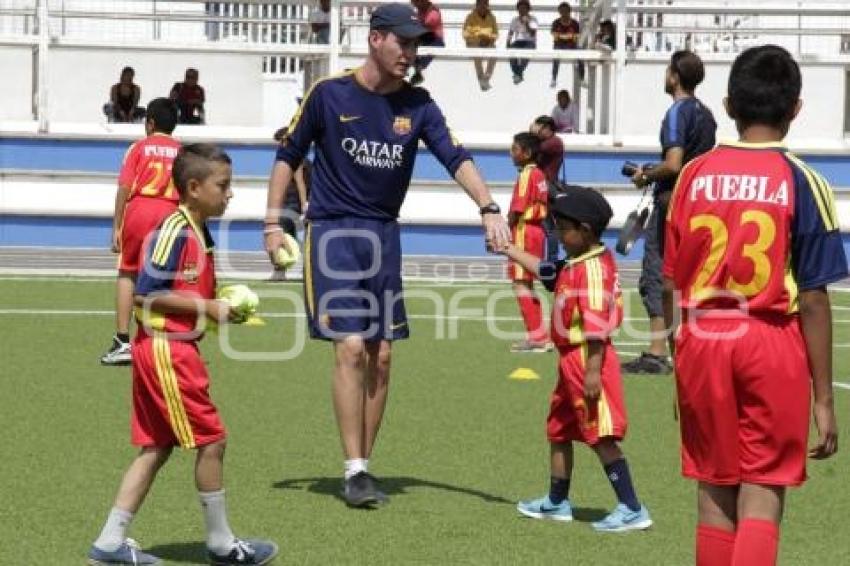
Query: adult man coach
[366, 125]
[687, 131]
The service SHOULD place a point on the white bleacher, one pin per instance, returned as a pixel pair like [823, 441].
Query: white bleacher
[251, 54]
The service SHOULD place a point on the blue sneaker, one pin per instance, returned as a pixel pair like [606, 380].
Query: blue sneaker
[623, 519]
[246, 552]
[543, 508]
[128, 553]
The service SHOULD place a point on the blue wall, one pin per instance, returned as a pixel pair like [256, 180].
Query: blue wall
[256, 159]
[587, 167]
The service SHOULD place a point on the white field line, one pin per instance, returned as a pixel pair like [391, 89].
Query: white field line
[473, 318]
[841, 385]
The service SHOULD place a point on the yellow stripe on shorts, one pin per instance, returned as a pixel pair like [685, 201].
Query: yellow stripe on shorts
[171, 390]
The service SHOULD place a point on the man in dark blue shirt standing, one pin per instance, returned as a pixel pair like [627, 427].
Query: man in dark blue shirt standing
[366, 125]
[687, 131]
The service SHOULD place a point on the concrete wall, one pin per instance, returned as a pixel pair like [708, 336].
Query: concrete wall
[16, 88]
[80, 79]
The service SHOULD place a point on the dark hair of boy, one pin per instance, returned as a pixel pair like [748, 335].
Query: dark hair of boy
[764, 87]
[563, 5]
[529, 143]
[194, 162]
[688, 66]
[565, 93]
[163, 113]
[547, 121]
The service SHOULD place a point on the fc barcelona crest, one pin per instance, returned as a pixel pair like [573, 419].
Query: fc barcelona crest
[190, 273]
[402, 125]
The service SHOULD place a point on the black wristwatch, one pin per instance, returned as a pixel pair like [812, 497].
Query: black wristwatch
[491, 208]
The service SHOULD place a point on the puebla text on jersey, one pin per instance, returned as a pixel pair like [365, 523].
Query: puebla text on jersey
[366, 144]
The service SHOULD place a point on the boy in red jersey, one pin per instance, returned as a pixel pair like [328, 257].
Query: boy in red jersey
[587, 404]
[525, 217]
[752, 242]
[175, 295]
[145, 196]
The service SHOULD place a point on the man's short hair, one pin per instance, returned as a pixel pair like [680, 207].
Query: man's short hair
[689, 68]
[528, 142]
[547, 121]
[764, 86]
[564, 5]
[521, 2]
[164, 114]
[194, 161]
[564, 92]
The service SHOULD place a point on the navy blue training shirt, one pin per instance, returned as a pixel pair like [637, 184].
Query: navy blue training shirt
[366, 144]
[688, 124]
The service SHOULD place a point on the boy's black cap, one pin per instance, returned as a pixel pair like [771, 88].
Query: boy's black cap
[581, 204]
[401, 19]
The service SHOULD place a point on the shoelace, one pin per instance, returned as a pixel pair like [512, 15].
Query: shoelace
[243, 549]
[133, 546]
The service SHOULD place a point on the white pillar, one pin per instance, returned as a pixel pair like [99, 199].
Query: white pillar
[620, 71]
[333, 57]
[41, 67]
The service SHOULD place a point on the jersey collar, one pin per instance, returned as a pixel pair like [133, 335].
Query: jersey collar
[749, 145]
[203, 233]
[591, 253]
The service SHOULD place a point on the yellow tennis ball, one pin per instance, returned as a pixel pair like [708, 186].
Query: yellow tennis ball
[241, 298]
[285, 259]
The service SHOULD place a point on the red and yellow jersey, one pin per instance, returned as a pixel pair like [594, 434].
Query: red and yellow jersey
[749, 225]
[146, 169]
[178, 259]
[588, 299]
[531, 193]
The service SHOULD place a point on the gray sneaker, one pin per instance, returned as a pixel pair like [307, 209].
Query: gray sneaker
[128, 553]
[649, 364]
[252, 551]
[360, 491]
[119, 354]
[524, 346]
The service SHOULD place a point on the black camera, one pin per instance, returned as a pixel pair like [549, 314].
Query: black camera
[630, 168]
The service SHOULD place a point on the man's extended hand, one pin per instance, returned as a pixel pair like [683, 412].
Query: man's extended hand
[497, 235]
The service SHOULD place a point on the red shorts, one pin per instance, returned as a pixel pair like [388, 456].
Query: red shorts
[569, 416]
[743, 401]
[171, 400]
[531, 238]
[142, 216]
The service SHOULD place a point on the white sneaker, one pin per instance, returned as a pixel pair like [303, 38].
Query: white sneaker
[119, 354]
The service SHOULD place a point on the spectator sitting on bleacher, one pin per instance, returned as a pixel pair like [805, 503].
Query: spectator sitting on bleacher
[606, 37]
[522, 35]
[320, 22]
[123, 105]
[480, 30]
[565, 32]
[429, 15]
[565, 114]
[190, 98]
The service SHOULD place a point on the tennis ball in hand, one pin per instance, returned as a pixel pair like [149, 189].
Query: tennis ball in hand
[285, 259]
[243, 300]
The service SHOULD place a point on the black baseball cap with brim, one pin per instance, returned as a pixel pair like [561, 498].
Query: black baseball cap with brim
[401, 19]
[582, 204]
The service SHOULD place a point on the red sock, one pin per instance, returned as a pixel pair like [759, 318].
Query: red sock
[714, 546]
[756, 543]
[532, 315]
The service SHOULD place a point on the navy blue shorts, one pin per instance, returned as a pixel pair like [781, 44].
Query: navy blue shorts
[352, 279]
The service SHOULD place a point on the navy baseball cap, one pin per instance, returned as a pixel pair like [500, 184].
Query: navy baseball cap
[582, 204]
[401, 19]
